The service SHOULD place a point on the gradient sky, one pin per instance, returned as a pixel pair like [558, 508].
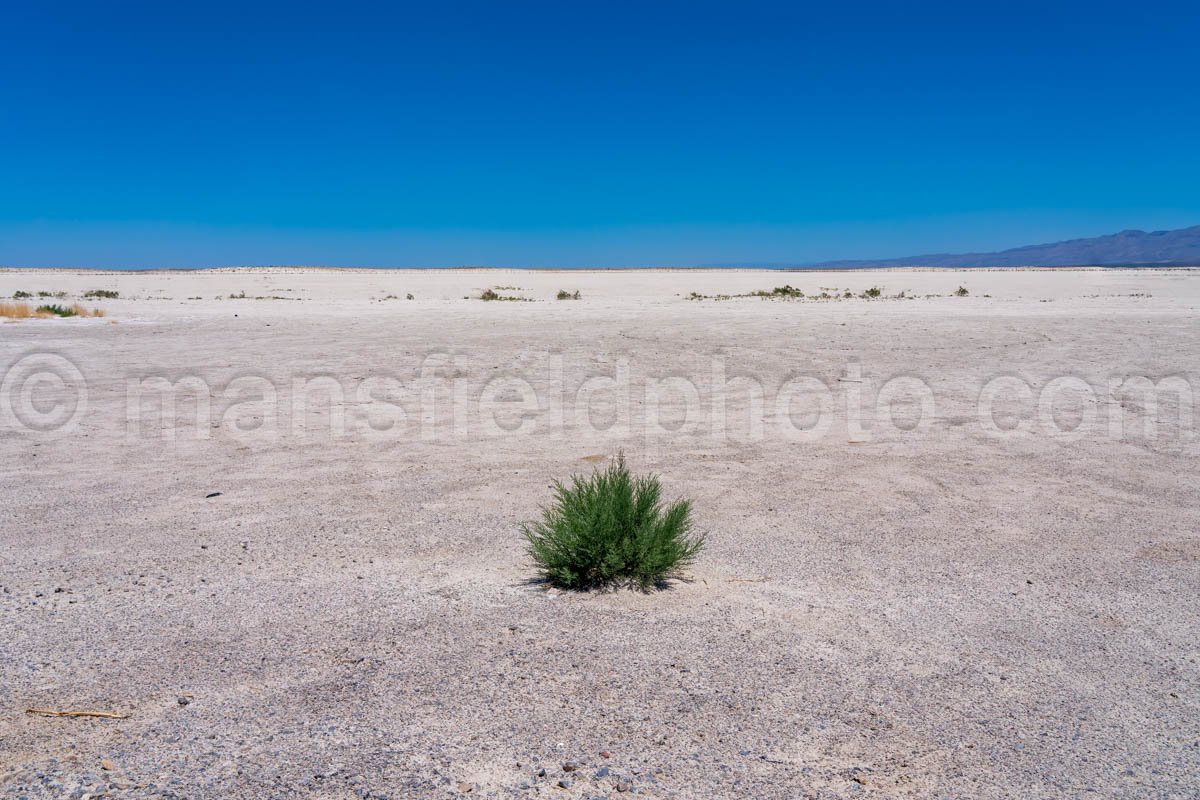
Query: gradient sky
[570, 134]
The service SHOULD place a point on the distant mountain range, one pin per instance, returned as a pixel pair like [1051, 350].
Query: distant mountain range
[1127, 249]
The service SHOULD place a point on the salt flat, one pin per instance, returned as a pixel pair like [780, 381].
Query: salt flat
[953, 540]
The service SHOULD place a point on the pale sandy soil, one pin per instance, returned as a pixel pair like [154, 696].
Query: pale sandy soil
[881, 612]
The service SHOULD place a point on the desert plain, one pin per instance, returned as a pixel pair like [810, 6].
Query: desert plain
[267, 522]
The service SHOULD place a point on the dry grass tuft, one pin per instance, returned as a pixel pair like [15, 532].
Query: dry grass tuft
[81, 311]
[16, 310]
[26, 311]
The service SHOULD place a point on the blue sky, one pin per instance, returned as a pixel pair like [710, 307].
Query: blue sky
[573, 134]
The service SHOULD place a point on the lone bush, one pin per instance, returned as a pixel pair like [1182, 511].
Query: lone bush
[612, 529]
[962, 291]
[105, 294]
[492, 294]
[563, 294]
[55, 310]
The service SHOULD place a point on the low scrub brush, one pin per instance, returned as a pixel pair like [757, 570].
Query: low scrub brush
[55, 311]
[612, 529]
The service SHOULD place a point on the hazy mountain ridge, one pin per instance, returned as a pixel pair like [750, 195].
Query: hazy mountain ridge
[1128, 248]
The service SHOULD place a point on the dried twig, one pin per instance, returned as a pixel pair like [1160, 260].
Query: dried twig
[50, 712]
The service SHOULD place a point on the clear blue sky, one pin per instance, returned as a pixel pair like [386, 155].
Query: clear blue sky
[189, 134]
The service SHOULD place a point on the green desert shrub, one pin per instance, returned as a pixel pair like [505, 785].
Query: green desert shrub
[872, 293]
[492, 294]
[21, 295]
[563, 294]
[612, 529]
[787, 290]
[56, 310]
[105, 294]
[962, 291]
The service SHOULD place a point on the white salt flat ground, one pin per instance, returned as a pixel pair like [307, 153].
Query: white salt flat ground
[912, 606]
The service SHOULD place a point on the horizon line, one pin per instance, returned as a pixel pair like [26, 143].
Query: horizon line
[647, 268]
